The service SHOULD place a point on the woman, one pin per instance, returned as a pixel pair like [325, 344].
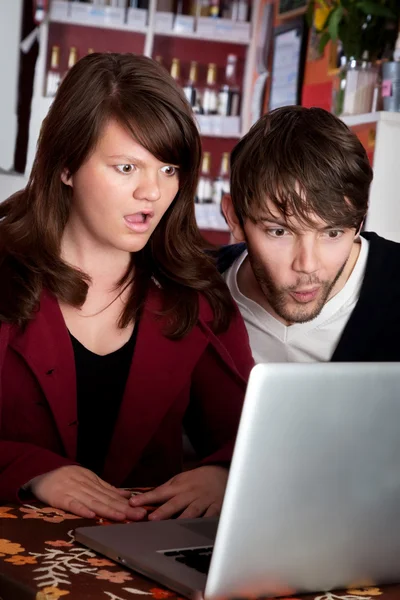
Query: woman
[115, 327]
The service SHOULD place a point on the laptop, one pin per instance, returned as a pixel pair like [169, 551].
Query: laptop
[313, 496]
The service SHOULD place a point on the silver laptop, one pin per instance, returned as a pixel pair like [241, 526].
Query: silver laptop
[313, 497]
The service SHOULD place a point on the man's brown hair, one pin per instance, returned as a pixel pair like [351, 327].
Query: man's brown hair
[307, 162]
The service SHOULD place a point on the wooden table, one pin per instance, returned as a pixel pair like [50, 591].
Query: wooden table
[39, 560]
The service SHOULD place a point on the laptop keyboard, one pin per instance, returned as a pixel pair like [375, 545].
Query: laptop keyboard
[196, 558]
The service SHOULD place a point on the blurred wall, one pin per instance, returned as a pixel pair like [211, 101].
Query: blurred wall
[10, 34]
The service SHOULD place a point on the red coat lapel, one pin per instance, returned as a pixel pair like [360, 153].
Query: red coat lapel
[46, 348]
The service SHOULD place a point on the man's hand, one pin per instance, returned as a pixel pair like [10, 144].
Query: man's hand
[80, 491]
[193, 494]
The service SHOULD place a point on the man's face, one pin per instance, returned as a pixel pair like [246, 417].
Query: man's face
[298, 268]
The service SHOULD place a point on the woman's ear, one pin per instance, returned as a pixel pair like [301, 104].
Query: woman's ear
[231, 218]
[66, 177]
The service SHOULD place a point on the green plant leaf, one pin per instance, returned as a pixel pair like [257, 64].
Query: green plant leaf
[328, 20]
[333, 26]
[325, 38]
[369, 7]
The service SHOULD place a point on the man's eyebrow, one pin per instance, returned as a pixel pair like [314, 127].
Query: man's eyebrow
[279, 222]
[282, 223]
[272, 221]
[329, 227]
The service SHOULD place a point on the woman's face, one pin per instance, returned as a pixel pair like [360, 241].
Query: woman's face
[121, 192]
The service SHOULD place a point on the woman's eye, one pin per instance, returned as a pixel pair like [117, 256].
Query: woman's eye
[126, 169]
[170, 171]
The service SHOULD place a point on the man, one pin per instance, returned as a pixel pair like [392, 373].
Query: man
[309, 285]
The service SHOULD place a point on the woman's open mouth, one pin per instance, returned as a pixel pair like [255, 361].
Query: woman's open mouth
[139, 222]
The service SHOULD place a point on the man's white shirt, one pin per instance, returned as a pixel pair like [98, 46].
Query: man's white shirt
[315, 341]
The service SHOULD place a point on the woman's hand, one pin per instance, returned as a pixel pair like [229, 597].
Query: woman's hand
[80, 491]
[197, 493]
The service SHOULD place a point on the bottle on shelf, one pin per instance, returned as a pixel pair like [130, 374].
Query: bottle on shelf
[215, 8]
[234, 10]
[165, 6]
[185, 7]
[178, 7]
[242, 10]
[205, 188]
[90, 50]
[190, 7]
[54, 75]
[72, 57]
[190, 89]
[205, 6]
[226, 9]
[229, 94]
[175, 71]
[159, 59]
[210, 93]
[221, 184]
[139, 4]
[396, 53]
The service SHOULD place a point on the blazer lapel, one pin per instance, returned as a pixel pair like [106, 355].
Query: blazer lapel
[160, 370]
[374, 308]
[46, 348]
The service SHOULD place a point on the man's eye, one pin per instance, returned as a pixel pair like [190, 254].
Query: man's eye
[334, 233]
[126, 169]
[277, 232]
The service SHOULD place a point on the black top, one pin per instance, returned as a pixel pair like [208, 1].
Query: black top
[100, 385]
[373, 331]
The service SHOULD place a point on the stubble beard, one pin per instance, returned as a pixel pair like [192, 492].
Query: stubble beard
[278, 297]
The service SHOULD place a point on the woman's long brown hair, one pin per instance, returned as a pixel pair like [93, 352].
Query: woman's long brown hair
[140, 95]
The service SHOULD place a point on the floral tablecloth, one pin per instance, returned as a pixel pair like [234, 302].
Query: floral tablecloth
[39, 560]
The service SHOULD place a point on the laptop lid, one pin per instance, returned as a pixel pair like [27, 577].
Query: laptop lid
[313, 497]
